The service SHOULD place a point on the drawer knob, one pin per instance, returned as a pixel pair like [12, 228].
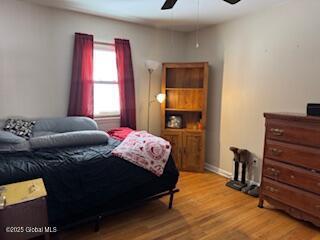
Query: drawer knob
[274, 171]
[275, 151]
[271, 189]
[277, 131]
[3, 202]
[292, 177]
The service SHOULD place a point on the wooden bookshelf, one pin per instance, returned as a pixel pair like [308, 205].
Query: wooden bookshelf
[184, 89]
[186, 86]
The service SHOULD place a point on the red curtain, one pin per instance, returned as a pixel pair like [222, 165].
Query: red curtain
[81, 91]
[126, 84]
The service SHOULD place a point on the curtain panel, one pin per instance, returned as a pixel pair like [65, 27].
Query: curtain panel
[126, 84]
[81, 91]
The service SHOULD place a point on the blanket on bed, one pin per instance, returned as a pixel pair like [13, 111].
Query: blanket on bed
[144, 150]
[120, 133]
[86, 180]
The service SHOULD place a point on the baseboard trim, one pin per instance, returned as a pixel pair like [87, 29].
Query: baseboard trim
[219, 171]
[224, 173]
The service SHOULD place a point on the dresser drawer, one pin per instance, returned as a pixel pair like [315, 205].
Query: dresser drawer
[306, 157]
[305, 201]
[292, 175]
[293, 132]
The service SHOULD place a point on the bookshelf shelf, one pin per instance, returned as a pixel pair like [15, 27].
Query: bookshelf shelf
[184, 110]
[184, 89]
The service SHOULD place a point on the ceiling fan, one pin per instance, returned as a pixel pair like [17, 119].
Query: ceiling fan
[170, 3]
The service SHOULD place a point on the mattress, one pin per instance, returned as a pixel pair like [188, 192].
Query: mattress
[85, 181]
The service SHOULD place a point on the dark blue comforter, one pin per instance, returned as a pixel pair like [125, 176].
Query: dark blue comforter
[83, 181]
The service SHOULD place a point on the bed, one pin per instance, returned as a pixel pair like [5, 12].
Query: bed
[84, 182]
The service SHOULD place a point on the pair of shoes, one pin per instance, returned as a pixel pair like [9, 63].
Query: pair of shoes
[254, 192]
[248, 188]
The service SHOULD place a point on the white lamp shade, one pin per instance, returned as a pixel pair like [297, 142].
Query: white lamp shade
[152, 65]
[161, 97]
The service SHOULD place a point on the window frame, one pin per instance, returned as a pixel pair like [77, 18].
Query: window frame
[111, 48]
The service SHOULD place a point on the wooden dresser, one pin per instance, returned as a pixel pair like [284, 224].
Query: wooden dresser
[291, 165]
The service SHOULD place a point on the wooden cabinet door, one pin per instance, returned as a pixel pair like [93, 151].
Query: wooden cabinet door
[175, 140]
[193, 152]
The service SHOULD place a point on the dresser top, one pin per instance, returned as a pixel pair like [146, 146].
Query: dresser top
[292, 117]
[23, 191]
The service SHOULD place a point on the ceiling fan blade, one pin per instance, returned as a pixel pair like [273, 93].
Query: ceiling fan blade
[168, 4]
[232, 1]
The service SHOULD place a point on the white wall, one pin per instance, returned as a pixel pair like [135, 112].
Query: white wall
[36, 46]
[266, 62]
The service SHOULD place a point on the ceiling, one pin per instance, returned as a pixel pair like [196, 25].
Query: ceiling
[182, 17]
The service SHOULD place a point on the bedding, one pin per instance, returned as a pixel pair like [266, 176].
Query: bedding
[85, 181]
[15, 147]
[144, 150]
[10, 142]
[19, 127]
[120, 133]
[8, 137]
[68, 139]
[64, 124]
[43, 133]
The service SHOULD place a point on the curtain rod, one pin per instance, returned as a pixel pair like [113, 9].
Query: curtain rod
[104, 43]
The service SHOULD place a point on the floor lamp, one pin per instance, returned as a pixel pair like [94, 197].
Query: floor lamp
[152, 66]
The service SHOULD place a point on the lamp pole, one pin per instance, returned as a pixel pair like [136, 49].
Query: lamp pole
[151, 66]
[150, 73]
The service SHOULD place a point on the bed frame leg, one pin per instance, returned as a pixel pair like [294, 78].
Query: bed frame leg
[97, 224]
[171, 199]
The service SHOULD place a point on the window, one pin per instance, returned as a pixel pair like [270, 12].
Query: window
[105, 78]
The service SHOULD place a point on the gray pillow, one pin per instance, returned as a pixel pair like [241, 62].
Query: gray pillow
[69, 139]
[64, 124]
[18, 147]
[43, 133]
[8, 137]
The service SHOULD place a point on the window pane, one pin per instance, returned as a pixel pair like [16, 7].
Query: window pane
[104, 64]
[106, 99]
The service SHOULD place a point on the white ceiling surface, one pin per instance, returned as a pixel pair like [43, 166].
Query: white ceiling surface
[182, 17]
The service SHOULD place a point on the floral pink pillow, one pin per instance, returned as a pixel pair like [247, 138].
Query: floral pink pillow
[145, 150]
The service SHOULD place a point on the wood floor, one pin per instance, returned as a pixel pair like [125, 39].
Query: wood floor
[203, 209]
